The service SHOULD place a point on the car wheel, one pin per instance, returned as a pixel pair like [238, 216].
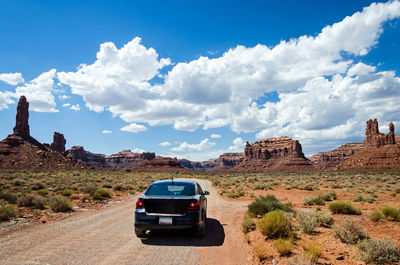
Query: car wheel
[201, 229]
[140, 233]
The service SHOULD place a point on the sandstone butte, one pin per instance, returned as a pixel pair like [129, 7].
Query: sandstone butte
[21, 150]
[274, 154]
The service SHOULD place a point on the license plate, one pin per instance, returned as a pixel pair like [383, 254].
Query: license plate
[165, 220]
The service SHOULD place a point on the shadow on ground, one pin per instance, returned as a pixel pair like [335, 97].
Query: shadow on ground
[215, 236]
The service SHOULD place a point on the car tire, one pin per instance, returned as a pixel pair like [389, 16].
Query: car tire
[140, 233]
[201, 229]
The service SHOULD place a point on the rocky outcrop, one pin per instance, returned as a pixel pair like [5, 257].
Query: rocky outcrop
[380, 151]
[128, 160]
[58, 143]
[80, 154]
[274, 154]
[335, 157]
[21, 125]
[373, 138]
[22, 151]
[223, 163]
[159, 163]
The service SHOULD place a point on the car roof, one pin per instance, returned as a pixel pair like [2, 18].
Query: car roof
[180, 181]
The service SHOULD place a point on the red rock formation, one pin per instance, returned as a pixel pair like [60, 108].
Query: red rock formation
[127, 160]
[380, 151]
[373, 138]
[80, 154]
[223, 163]
[58, 143]
[274, 154]
[21, 126]
[335, 157]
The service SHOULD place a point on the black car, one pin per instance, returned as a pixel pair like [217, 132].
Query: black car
[172, 204]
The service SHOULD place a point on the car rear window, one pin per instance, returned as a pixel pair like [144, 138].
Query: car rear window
[183, 189]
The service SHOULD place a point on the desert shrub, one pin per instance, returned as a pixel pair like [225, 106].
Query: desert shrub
[9, 197]
[119, 187]
[266, 204]
[31, 200]
[101, 194]
[18, 182]
[283, 246]
[351, 233]
[379, 251]
[275, 224]
[107, 185]
[248, 225]
[37, 186]
[261, 250]
[66, 193]
[376, 216]
[89, 189]
[391, 214]
[308, 222]
[59, 204]
[42, 192]
[344, 208]
[329, 196]
[7, 211]
[313, 250]
[311, 200]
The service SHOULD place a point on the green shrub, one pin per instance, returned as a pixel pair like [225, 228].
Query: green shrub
[7, 211]
[376, 216]
[343, 208]
[37, 186]
[308, 222]
[89, 189]
[119, 187]
[42, 192]
[101, 194]
[313, 250]
[261, 251]
[384, 251]
[275, 224]
[351, 232]
[248, 225]
[263, 205]
[284, 246]
[391, 214]
[66, 193]
[59, 204]
[311, 200]
[31, 200]
[9, 197]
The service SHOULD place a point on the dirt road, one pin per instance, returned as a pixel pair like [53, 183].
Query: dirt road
[107, 237]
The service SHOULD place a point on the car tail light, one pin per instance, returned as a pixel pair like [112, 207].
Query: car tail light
[140, 204]
[194, 205]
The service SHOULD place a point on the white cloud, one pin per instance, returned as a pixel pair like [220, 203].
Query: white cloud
[75, 107]
[134, 128]
[66, 105]
[12, 78]
[63, 97]
[38, 92]
[106, 132]
[138, 150]
[215, 136]
[202, 146]
[238, 145]
[165, 144]
[5, 99]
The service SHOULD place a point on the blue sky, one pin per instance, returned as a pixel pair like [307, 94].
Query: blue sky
[195, 79]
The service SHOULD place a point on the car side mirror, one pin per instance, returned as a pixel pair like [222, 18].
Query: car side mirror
[206, 193]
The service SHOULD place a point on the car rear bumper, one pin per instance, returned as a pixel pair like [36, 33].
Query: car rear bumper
[144, 221]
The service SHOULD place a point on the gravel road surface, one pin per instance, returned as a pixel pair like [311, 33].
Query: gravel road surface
[107, 237]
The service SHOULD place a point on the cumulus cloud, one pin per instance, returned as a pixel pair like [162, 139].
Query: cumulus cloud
[134, 128]
[106, 132]
[38, 92]
[66, 105]
[5, 99]
[165, 144]
[12, 78]
[138, 150]
[238, 145]
[215, 136]
[202, 146]
[75, 107]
